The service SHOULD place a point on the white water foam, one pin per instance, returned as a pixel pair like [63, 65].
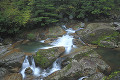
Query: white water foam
[26, 65]
[82, 78]
[65, 41]
[36, 70]
[42, 41]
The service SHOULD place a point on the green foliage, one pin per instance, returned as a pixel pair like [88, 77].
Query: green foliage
[44, 12]
[17, 15]
[14, 15]
[112, 76]
[31, 36]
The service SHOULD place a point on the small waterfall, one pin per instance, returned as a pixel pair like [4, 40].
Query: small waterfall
[65, 41]
[56, 66]
[26, 64]
[82, 78]
[36, 70]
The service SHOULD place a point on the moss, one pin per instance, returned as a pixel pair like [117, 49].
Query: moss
[41, 60]
[69, 66]
[109, 38]
[53, 55]
[92, 34]
[79, 56]
[112, 76]
[41, 57]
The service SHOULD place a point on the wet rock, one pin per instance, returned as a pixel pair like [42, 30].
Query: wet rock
[15, 44]
[12, 59]
[74, 70]
[50, 40]
[28, 71]
[96, 76]
[25, 41]
[96, 32]
[108, 44]
[4, 49]
[3, 72]
[113, 76]
[78, 42]
[45, 57]
[54, 31]
[82, 63]
[14, 76]
[0, 44]
[15, 70]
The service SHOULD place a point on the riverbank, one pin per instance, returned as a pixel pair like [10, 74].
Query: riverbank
[80, 61]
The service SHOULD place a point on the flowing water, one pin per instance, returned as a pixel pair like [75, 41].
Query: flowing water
[26, 64]
[37, 71]
[65, 41]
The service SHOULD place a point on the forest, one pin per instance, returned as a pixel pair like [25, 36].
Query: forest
[19, 15]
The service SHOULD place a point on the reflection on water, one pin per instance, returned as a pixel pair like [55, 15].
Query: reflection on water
[111, 56]
[32, 46]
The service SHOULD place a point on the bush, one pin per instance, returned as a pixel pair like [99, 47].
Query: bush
[31, 36]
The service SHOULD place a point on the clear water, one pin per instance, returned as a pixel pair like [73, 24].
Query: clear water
[32, 46]
[65, 41]
[110, 56]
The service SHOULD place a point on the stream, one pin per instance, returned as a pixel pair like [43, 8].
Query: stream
[65, 41]
[111, 56]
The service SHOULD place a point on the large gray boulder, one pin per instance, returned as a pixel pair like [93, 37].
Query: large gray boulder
[3, 72]
[54, 31]
[101, 34]
[13, 76]
[82, 63]
[12, 59]
[45, 57]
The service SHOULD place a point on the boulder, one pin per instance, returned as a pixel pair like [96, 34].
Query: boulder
[29, 71]
[45, 57]
[113, 76]
[13, 76]
[95, 33]
[3, 72]
[4, 49]
[50, 40]
[12, 59]
[54, 31]
[81, 63]
[96, 76]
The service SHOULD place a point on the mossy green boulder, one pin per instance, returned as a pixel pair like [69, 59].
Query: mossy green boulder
[45, 57]
[102, 34]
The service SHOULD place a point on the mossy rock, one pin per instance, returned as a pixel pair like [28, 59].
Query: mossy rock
[45, 57]
[113, 76]
[95, 33]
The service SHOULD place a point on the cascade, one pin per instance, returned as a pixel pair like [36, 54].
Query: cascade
[26, 64]
[65, 41]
